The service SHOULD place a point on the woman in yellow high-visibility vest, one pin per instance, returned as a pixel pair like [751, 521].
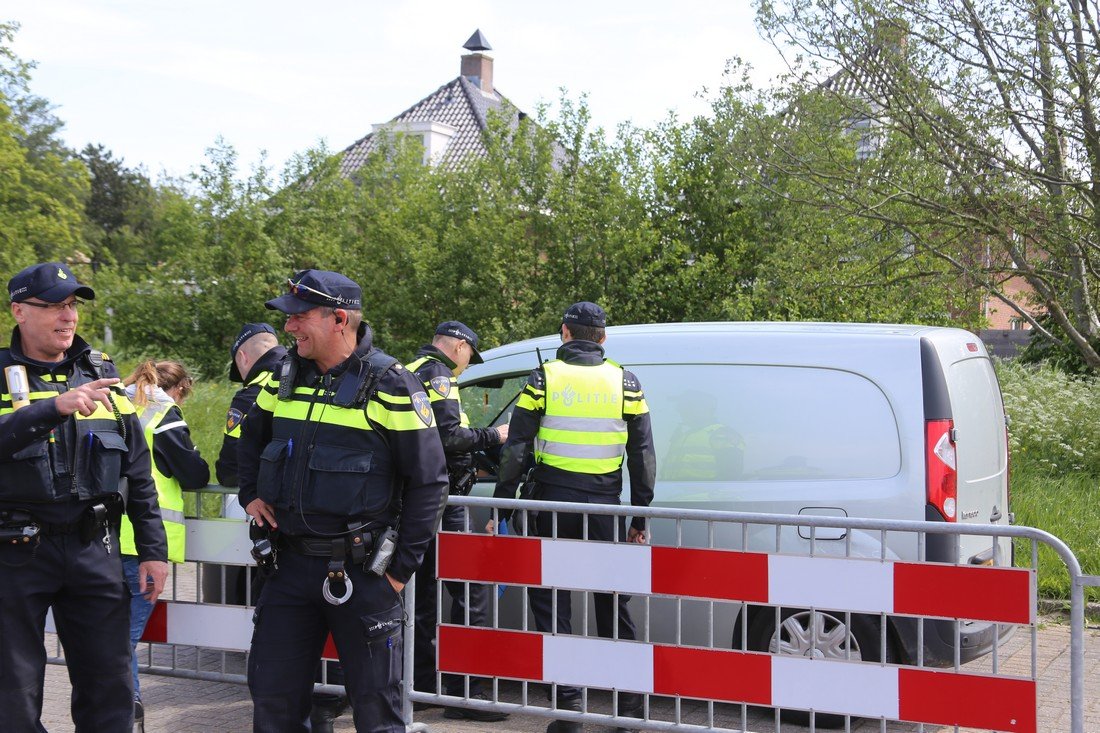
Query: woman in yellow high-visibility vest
[157, 389]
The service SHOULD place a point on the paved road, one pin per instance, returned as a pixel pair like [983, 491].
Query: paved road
[177, 705]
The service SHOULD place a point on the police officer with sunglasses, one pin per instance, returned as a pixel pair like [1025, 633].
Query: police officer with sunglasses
[341, 464]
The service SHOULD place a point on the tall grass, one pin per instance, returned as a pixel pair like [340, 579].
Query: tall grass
[1054, 440]
[1068, 508]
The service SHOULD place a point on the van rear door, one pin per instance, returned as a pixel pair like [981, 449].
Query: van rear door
[981, 448]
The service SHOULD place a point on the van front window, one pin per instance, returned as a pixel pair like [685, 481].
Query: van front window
[490, 402]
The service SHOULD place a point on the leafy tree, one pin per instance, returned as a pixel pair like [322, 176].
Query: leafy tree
[121, 210]
[744, 239]
[991, 112]
[42, 185]
[218, 268]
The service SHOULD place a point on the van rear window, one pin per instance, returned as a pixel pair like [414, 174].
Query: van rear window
[979, 418]
[725, 422]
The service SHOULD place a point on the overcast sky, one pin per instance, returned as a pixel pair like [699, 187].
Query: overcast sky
[156, 82]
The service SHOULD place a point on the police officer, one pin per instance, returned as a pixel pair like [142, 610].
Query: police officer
[437, 366]
[68, 438]
[255, 353]
[340, 456]
[584, 415]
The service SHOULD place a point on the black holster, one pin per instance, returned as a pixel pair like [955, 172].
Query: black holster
[93, 522]
[263, 549]
[461, 480]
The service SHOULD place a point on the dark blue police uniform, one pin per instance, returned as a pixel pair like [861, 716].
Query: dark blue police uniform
[59, 481]
[568, 478]
[341, 457]
[434, 369]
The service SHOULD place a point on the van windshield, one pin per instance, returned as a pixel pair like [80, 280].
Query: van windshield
[490, 402]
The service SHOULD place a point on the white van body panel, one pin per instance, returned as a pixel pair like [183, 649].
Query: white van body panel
[796, 418]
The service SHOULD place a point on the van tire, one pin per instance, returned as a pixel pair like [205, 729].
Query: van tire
[796, 639]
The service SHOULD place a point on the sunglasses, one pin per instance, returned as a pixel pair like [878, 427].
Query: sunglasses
[73, 305]
[297, 288]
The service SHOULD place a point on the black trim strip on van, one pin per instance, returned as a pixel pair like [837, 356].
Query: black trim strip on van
[937, 406]
[937, 403]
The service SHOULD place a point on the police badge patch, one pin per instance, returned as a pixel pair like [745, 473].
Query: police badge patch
[423, 407]
[233, 419]
[442, 385]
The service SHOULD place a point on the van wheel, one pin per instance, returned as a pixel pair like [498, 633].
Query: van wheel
[822, 635]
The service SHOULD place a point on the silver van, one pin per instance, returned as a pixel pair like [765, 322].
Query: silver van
[839, 420]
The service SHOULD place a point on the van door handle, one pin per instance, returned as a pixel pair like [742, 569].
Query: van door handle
[995, 516]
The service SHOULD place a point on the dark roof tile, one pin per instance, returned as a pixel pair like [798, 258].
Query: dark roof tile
[458, 103]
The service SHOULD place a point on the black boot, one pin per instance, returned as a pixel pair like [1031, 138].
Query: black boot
[326, 709]
[139, 717]
[630, 706]
[566, 726]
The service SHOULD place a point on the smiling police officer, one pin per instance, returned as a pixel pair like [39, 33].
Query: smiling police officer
[69, 437]
[340, 455]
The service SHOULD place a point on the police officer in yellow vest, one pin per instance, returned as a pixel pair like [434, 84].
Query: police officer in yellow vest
[68, 438]
[341, 456]
[584, 415]
[158, 390]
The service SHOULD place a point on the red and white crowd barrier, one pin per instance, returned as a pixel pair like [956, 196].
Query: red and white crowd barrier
[863, 689]
[853, 584]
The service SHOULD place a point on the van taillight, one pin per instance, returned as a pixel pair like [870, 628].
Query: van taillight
[939, 459]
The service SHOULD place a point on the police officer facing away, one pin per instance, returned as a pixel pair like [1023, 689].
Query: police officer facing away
[255, 353]
[584, 415]
[69, 437]
[437, 366]
[341, 457]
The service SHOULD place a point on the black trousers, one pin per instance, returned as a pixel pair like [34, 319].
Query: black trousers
[571, 526]
[91, 610]
[454, 520]
[292, 621]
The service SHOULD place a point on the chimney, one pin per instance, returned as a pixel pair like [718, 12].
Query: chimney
[478, 66]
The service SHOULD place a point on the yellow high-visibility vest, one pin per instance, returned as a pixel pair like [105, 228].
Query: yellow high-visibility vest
[583, 429]
[169, 491]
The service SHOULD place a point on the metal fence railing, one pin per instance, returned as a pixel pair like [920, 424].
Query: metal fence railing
[743, 621]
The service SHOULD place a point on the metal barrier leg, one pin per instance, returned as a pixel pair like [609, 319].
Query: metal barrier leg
[409, 651]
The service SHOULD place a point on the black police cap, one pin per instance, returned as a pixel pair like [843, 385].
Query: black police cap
[584, 314]
[459, 330]
[247, 331]
[308, 289]
[48, 281]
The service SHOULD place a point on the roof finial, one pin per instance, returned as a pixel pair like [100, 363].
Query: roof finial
[477, 42]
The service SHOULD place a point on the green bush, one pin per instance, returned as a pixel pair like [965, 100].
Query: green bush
[1054, 427]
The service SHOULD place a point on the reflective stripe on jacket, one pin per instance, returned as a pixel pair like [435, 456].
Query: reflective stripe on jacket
[583, 429]
[169, 491]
